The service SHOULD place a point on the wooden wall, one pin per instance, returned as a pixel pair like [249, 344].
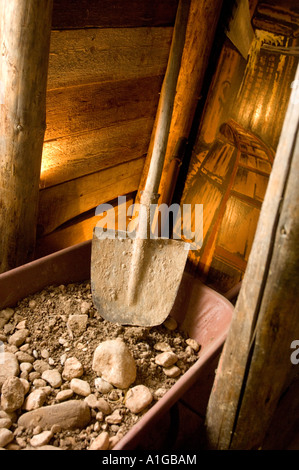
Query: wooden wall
[107, 62]
[229, 176]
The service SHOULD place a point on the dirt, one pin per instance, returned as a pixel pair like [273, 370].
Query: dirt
[46, 314]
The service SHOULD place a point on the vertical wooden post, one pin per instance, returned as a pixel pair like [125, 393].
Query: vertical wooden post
[25, 28]
[256, 359]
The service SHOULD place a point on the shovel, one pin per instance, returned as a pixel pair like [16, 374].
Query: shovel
[135, 277]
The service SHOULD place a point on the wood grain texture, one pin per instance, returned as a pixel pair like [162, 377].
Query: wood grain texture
[79, 229]
[77, 155]
[255, 361]
[93, 55]
[95, 106]
[24, 48]
[112, 13]
[59, 204]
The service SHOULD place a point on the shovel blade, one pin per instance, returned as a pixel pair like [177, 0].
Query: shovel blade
[162, 270]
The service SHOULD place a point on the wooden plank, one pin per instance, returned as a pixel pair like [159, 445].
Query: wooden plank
[77, 231]
[60, 203]
[113, 13]
[95, 106]
[255, 361]
[95, 55]
[24, 48]
[78, 155]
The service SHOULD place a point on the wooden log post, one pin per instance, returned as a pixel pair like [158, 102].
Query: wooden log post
[201, 28]
[256, 358]
[25, 28]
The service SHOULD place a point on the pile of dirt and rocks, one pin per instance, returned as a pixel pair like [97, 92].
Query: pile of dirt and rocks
[71, 380]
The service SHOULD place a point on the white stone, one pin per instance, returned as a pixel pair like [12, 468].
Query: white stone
[64, 395]
[166, 359]
[6, 436]
[9, 366]
[102, 386]
[35, 400]
[138, 398]
[85, 307]
[18, 338]
[53, 377]
[77, 324]
[114, 362]
[73, 369]
[115, 418]
[41, 439]
[5, 316]
[13, 393]
[81, 387]
[172, 371]
[193, 344]
[5, 423]
[101, 442]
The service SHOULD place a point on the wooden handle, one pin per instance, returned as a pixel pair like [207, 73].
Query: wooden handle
[166, 102]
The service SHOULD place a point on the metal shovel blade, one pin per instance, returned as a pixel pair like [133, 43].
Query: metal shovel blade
[162, 270]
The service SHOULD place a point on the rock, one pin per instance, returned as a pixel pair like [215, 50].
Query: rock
[193, 344]
[115, 418]
[172, 372]
[81, 387]
[21, 325]
[5, 423]
[53, 377]
[101, 442]
[77, 324]
[85, 307]
[5, 316]
[73, 369]
[35, 400]
[100, 404]
[166, 359]
[64, 395]
[26, 367]
[23, 356]
[13, 393]
[103, 406]
[138, 398]
[102, 386]
[40, 366]
[26, 385]
[71, 414]
[9, 366]
[18, 338]
[114, 362]
[6, 436]
[162, 346]
[41, 439]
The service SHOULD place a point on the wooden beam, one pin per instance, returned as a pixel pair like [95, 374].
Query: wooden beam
[74, 110]
[87, 56]
[74, 156]
[113, 13]
[255, 362]
[202, 23]
[24, 49]
[81, 228]
[61, 203]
